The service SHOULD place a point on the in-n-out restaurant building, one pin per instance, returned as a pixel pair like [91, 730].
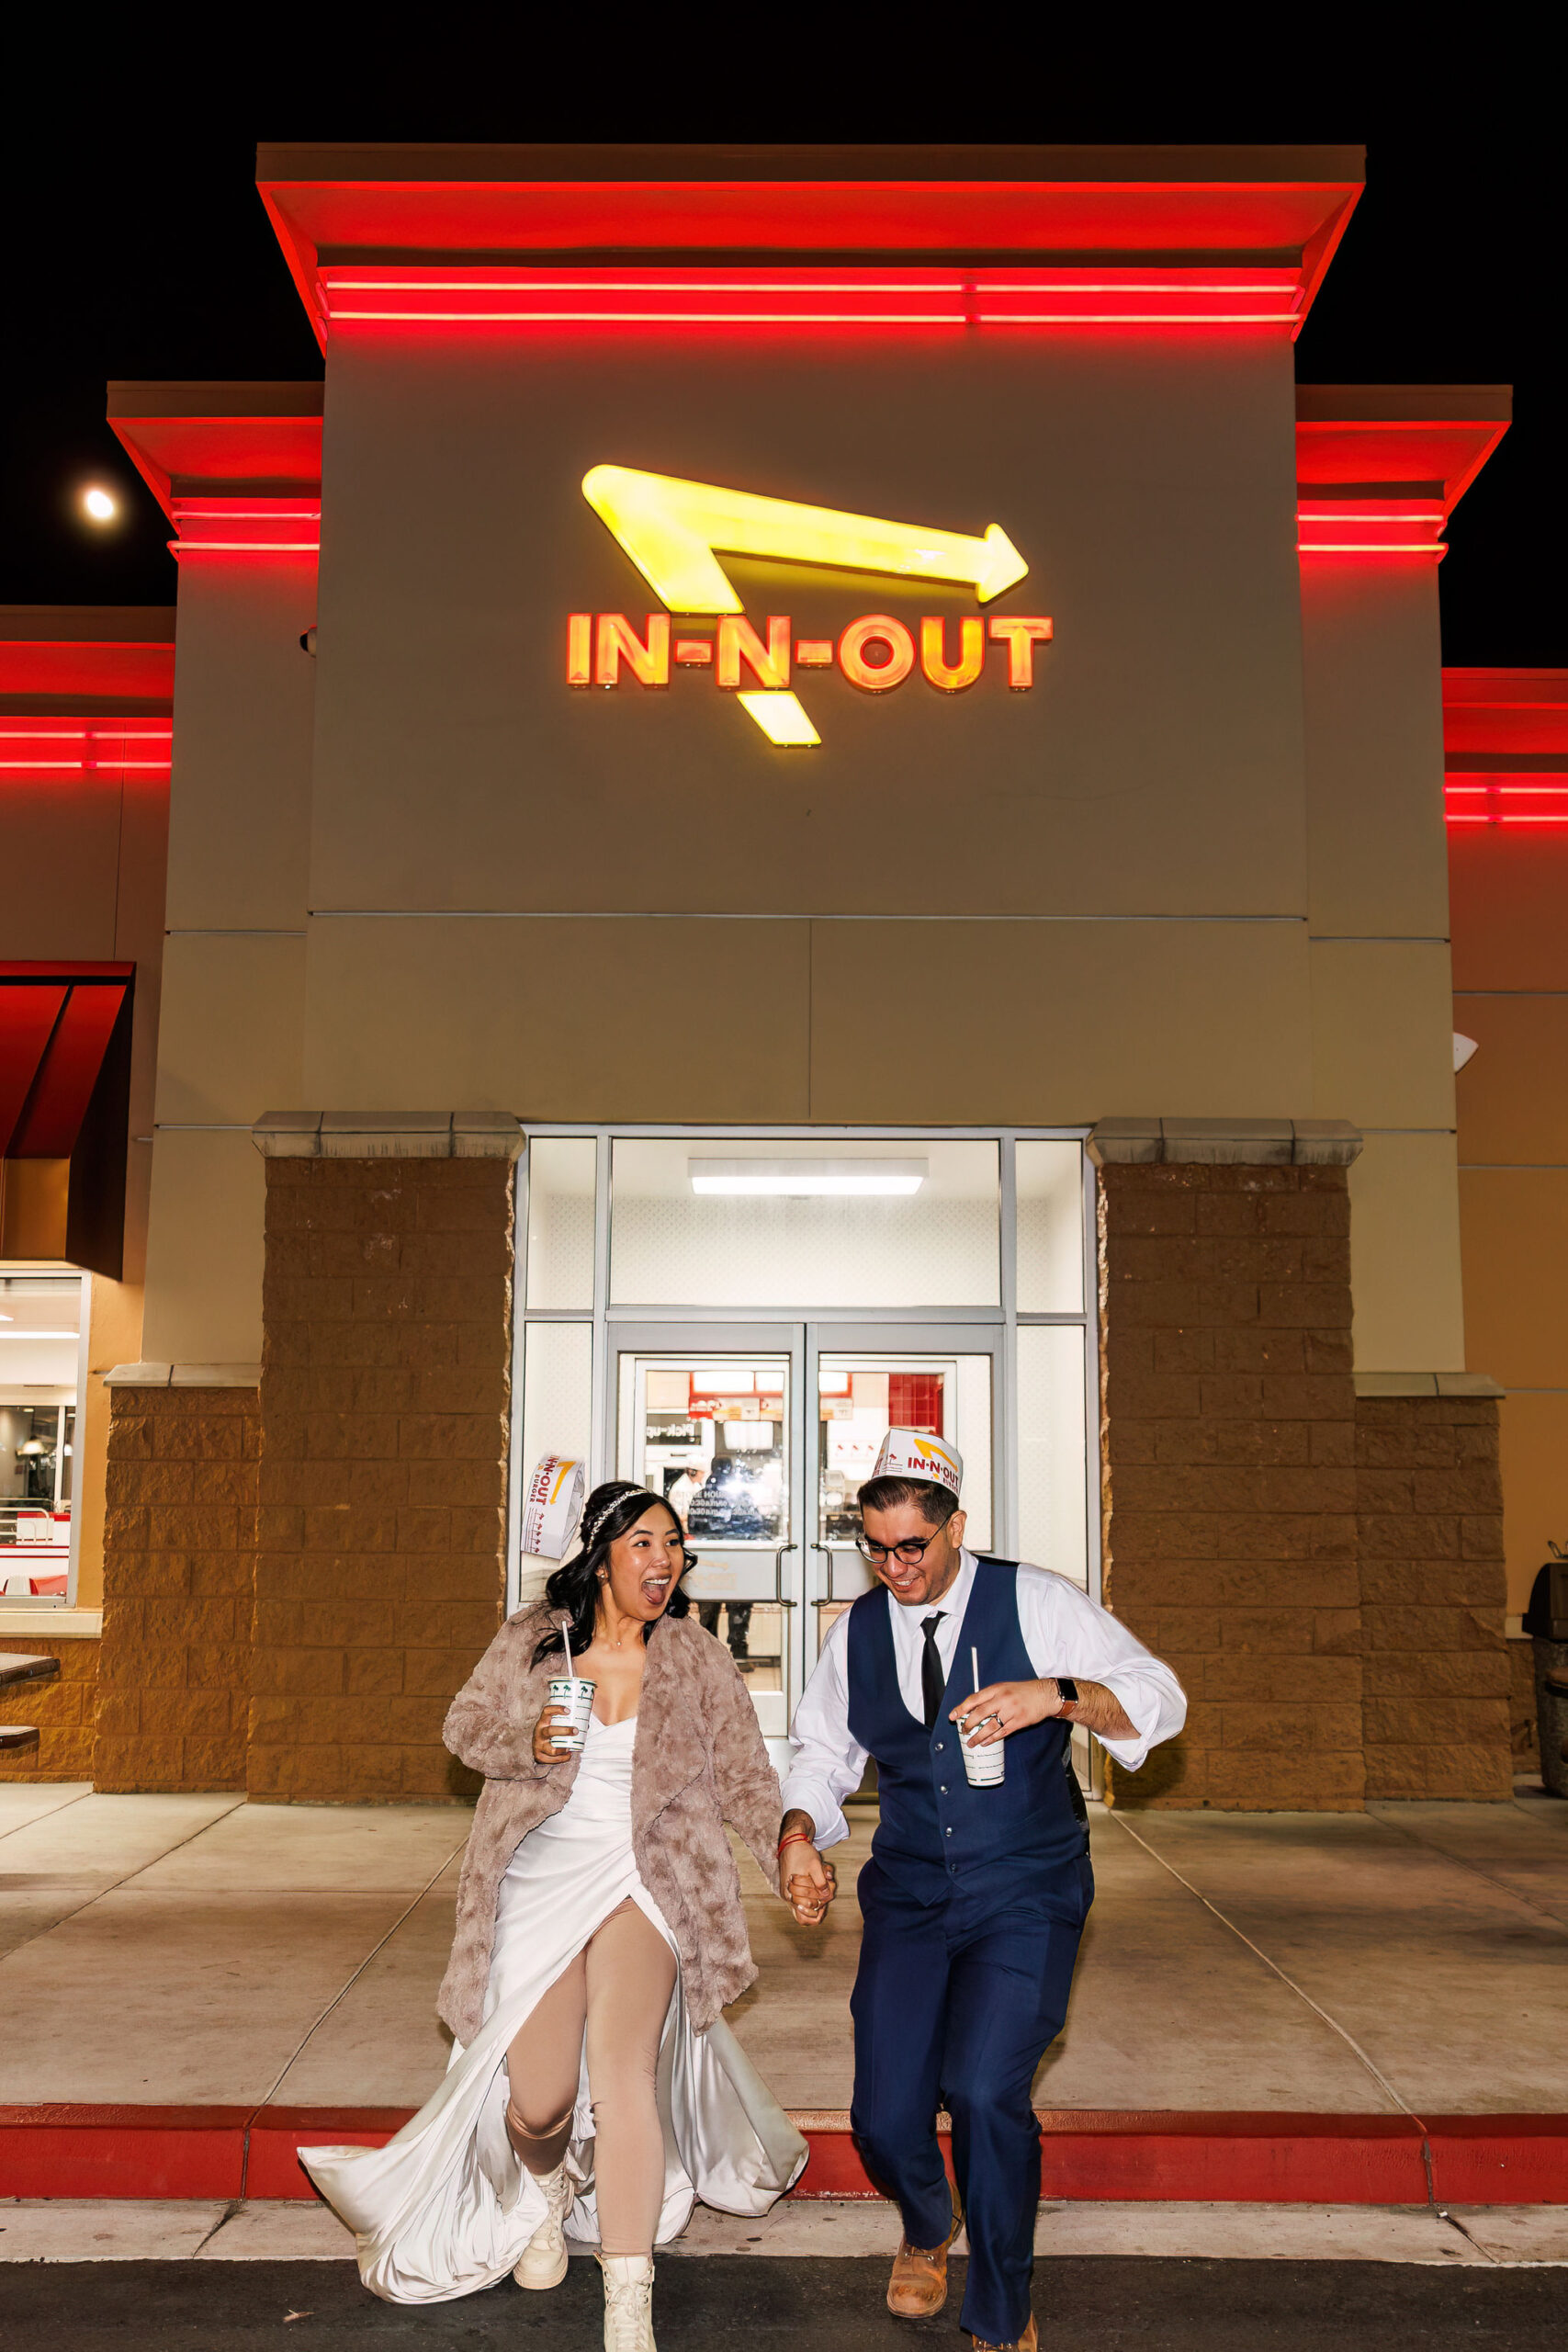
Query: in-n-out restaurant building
[812, 793]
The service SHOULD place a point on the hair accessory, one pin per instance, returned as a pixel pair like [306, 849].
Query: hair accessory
[606, 1511]
[908, 1454]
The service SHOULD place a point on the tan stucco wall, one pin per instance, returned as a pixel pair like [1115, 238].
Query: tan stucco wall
[1382, 994]
[1155, 769]
[1511, 995]
[1154, 772]
[234, 967]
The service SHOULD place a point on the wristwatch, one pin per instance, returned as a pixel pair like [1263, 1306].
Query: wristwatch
[1069, 1689]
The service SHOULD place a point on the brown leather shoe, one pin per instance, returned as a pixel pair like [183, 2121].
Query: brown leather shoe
[1028, 2342]
[918, 2288]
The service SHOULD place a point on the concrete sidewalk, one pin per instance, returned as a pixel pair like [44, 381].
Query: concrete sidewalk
[202, 1950]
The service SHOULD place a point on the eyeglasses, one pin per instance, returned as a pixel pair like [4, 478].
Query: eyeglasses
[908, 1554]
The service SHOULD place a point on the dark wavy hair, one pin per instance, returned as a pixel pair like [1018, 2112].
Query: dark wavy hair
[608, 1513]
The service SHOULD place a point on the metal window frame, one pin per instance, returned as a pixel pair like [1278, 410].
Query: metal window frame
[1007, 1315]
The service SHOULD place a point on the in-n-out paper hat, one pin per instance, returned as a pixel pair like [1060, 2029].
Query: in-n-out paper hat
[552, 1505]
[905, 1453]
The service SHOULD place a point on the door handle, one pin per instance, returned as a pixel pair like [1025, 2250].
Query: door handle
[778, 1575]
[827, 1551]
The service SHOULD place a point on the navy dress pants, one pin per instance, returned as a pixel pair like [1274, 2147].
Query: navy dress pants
[954, 2005]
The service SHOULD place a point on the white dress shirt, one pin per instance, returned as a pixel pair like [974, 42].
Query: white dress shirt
[1065, 1633]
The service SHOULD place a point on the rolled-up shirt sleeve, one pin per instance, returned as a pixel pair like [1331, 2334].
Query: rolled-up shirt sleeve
[1066, 1633]
[827, 1765]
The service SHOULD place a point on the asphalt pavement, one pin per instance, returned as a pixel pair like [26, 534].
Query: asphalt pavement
[834, 2304]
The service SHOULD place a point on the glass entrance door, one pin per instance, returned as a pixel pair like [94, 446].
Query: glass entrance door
[761, 1435]
[942, 1383]
[712, 1418]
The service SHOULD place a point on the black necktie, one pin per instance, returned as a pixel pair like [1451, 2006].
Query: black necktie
[933, 1676]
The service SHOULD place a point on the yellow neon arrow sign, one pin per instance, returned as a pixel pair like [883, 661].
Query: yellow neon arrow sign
[671, 529]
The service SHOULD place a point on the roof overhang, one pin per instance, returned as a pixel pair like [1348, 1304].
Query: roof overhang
[1505, 747]
[86, 660]
[769, 207]
[236, 468]
[1379, 468]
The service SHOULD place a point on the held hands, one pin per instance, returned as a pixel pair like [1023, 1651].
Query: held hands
[807, 1882]
[553, 1719]
[810, 1885]
[989, 1715]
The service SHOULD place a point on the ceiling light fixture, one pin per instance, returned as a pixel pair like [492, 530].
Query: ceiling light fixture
[98, 505]
[807, 1178]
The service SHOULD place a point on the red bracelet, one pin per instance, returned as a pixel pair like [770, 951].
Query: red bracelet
[793, 1838]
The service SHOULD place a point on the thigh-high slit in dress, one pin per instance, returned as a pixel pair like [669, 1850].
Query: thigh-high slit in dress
[446, 2207]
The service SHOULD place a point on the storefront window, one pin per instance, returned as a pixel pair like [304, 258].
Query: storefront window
[561, 1222]
[40, 1317]
[1050, 1228]
[1052, 1454]
[804, 1223]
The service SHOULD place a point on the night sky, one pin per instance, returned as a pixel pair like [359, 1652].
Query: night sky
[137, 247]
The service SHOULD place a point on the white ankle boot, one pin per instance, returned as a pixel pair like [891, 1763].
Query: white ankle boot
[628, 2302]
[544, 2256]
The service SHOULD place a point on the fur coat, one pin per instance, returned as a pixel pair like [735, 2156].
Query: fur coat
[698, 1762]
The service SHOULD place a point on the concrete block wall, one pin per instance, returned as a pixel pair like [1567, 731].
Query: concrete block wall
[381, 1558]
[1229, 1474]
[1436, 1670]
[178, 1554]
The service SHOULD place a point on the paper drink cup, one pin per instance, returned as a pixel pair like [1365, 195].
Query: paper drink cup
[984, 1766]
[575, 1694]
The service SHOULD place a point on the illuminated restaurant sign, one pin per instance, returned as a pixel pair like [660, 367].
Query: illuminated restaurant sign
[674, 531]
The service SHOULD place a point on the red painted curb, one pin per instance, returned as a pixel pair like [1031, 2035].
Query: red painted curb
[72, 2150]
[1271, 2157]
[1499, 2159]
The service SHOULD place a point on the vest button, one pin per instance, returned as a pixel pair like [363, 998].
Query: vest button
[943, 1791]
[939, 1747]
[950, 1833]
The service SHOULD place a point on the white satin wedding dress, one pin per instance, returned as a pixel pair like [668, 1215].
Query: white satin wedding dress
[446, 2207]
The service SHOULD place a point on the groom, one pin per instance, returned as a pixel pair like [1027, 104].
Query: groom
[975, 1897]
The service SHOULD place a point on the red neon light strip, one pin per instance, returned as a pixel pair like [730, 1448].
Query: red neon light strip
[306, 514]
[1371, 547]
[821, 318]
[1560, 819]
[455, 283]
[244, 546]
[979, 299]
[1341, 516]
[99, 750]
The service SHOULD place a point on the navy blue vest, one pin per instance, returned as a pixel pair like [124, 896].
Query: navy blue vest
[937, 1834]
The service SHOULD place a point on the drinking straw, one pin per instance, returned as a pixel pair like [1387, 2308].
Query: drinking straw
[974, 1667]
[566, 1638]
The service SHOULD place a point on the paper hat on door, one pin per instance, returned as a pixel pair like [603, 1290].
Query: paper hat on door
[907, 1455]
[552, 1505]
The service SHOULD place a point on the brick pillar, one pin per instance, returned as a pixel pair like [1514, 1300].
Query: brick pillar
[1435, 1667]
[385, 1382]
[179, 1560]
[1229, 1476]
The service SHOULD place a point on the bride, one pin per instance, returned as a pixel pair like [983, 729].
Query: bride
[594, 2090]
